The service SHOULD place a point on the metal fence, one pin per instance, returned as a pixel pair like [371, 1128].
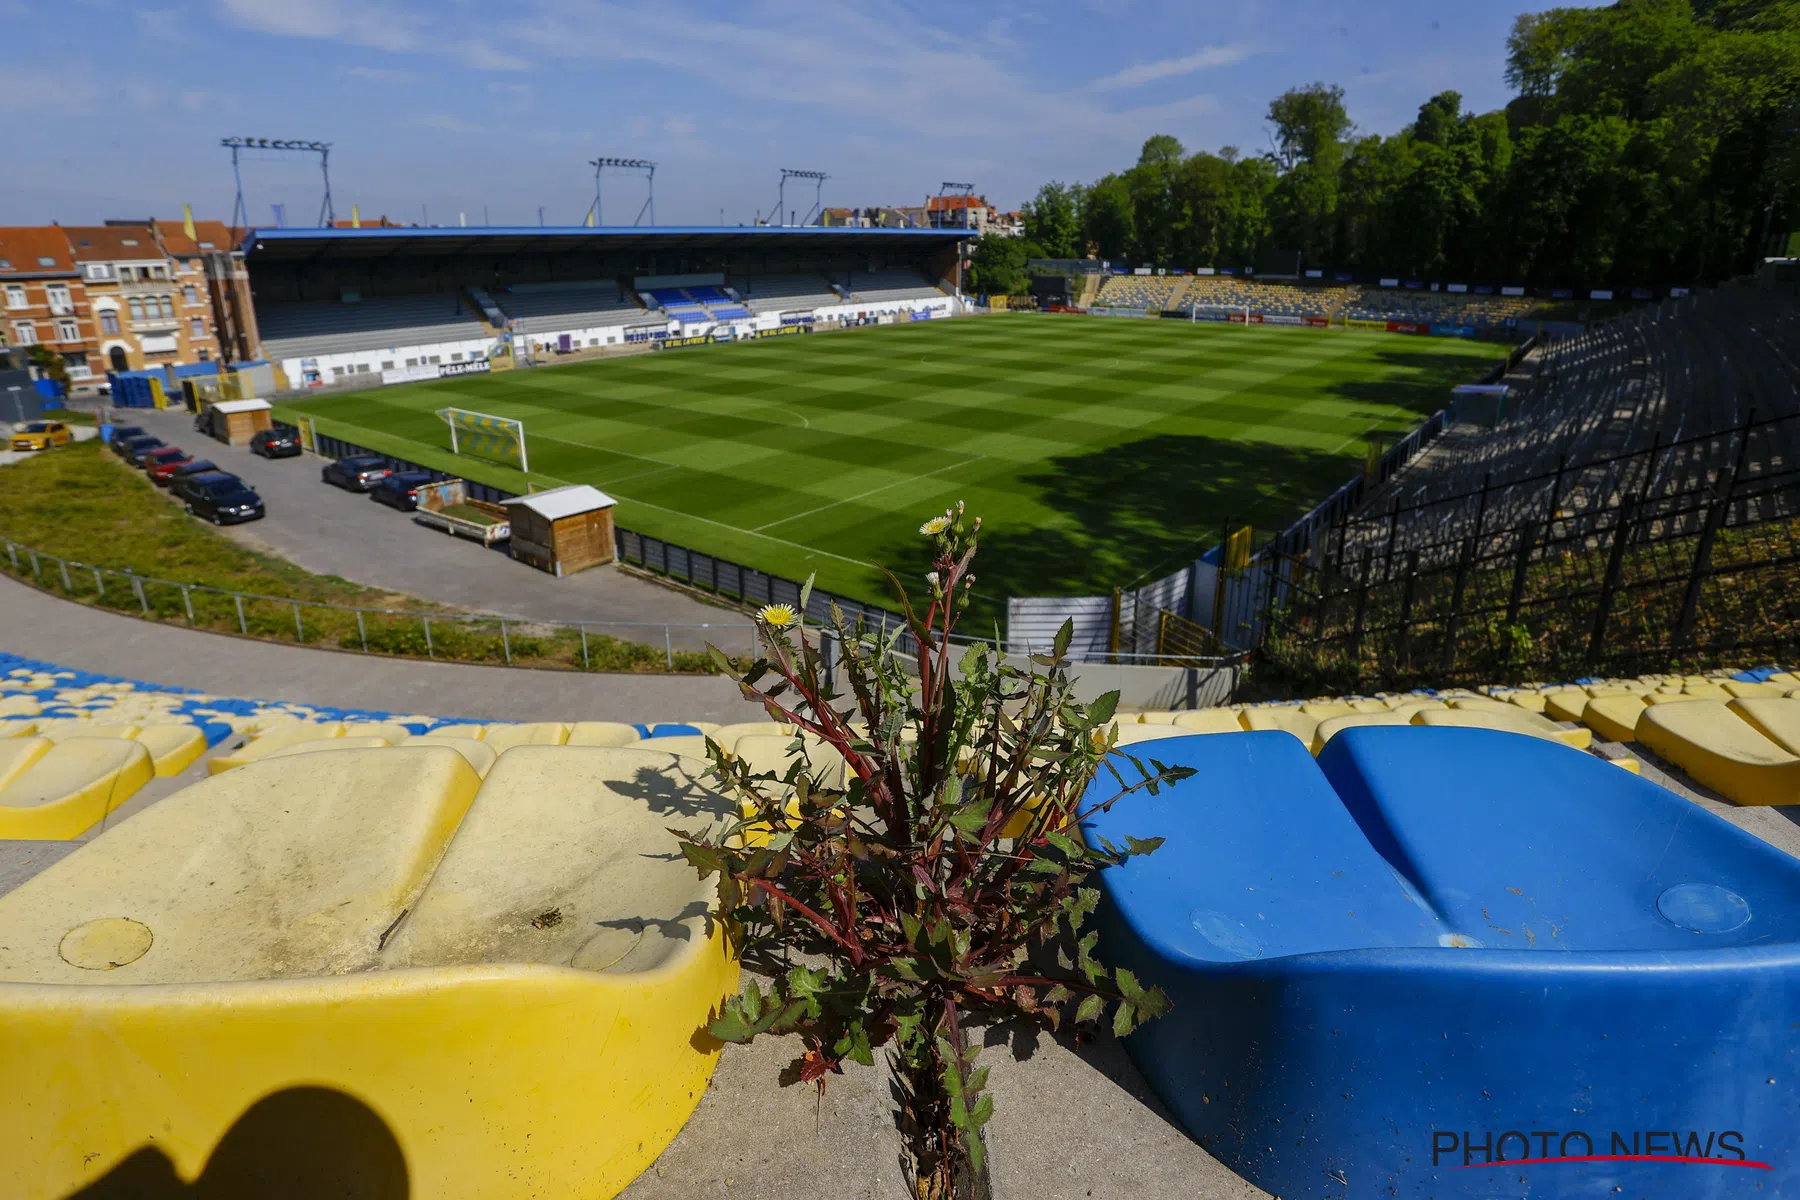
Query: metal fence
[455, 637]
[1682, 552]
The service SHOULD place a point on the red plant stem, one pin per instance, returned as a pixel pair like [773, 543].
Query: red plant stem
[825, 927]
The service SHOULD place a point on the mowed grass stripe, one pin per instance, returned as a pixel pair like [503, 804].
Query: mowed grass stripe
[1095, 449]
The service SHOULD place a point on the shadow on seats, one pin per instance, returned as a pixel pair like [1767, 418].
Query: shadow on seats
[297, 1144]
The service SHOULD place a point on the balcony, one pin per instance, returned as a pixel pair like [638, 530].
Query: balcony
[140, 286]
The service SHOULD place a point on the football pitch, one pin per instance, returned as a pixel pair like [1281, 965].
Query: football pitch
[1099, 453]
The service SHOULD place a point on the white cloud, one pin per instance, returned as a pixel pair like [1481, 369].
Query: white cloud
[1204, 59]
[381, 26]
[382, 74]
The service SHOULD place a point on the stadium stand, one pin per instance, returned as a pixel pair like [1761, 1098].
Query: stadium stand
[1150, 293]
[876, 286]
[307, 330]
[1450, 308]
[785, 293]
[679, 306]
[1277, 299]
[561, 307]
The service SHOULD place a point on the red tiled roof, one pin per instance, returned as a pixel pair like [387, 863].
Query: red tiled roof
[177, 242]
[21, 246]
[942, 203]
[103, 243]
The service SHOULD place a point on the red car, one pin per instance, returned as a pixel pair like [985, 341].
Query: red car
[160, 464]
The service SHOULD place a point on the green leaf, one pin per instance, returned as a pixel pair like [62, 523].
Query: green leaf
[806, 593]
[1101, 710]
[1143, 845]
[983, 1112]
[1064, 636]
[971, 819]
[1090, 1008]
[1124, 1019]
[1074, 850]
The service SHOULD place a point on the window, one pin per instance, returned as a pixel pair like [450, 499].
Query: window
[388, 365]
[99, 271]
[159, 272]
[5, 264]
[126, 275]
[206, 245]
[128, 241]
[196, 327]
[337, 372]
[412, 362]
[66, 331]
[109, 320]
[168, 308]
[205, 354]
[25, 333]
[457, 357]
[189, 295]
[58, 295]
[76, 361]
[15, 295]
[362, 368]
[45, 260]
[137, 308]
[435, 359]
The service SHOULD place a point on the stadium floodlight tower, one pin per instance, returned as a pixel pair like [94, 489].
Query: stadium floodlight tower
[273, 147]
[625, 164]
[818, 207]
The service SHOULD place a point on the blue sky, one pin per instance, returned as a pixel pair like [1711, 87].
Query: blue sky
[115, 109]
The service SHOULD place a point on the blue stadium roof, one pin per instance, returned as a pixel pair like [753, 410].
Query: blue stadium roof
[413, 241]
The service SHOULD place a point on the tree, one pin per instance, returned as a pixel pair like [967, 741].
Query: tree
[1107, 218]
[1309, 127]
[997, 267]
[1053, 221]
[921, 857]
[49, 363]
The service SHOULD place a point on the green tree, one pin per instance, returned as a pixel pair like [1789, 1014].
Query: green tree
[1107, 218]
[997, 266]
[50, 363]
[1309, 126]
[1053, 220]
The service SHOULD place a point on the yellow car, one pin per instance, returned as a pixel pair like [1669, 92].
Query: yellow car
[41, 435]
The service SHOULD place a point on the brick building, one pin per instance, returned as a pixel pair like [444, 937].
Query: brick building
[43, 299]
[148, 313]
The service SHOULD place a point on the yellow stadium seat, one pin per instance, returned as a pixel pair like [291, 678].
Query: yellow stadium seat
[1285, 719]
[1745, 691]
[1529, 701]
[539, 733]
[1526, 723]
[324, 745]
[1330, 727]
[1614, 717]
[771, 752]
[69, 727]
[20, 706]
[1565, 706]
[1719, 748]
[288, 733]
[1706, 691]
[1627, 764]
[18, 727]
[71, 786]
[1210, 720]
[690, 745]
[727, 735]
[457, 731]
[601, 733]
[173, 748]
[1324, 710]
[1155, 717]
[1785, 679]
[16, 754]
[1775, 718]
[388, 731]
[1131, 735]
[479, 755]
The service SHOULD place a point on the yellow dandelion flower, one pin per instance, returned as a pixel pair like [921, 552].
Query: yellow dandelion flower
[778, 616]
[935, 526]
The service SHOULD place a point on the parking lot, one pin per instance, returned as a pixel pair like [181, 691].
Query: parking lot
[331, 531]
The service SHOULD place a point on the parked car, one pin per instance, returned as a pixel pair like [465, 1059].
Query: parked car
[194, 466]
[401, 489]
[41, 435]
[221, 498]
[160, 464]
[276, 443]
[135, 449]
[357, 473]
[122, 434]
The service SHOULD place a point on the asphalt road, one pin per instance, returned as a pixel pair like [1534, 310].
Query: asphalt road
[331, 531]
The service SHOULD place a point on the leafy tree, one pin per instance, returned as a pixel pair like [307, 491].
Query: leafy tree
[997, 266]
[920, 855]
[1107, 218]
[50, 363]
[1053, 220]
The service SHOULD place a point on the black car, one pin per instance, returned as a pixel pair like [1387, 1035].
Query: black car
[276, 443]
[221, 498]
[134, 449]
[357, 473]
[198, 466]
[122, 434]
[401, 489]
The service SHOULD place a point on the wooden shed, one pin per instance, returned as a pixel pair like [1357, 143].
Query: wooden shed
[235, 422]
[563, 530]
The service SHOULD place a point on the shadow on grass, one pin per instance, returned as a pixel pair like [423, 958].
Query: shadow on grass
[1131, 513]
[1416, 380]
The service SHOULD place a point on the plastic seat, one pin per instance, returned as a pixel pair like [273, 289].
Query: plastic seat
[1210, 720]
[1437, 924]
[690, 746]
[69, 727]
[287, 733]
[1566, 706]
[727, 735]
[601, 733]
[1131, 735]
[1332, 726]
[1517, 721]
[1776, 719]
[18, 753]
[538, 733]
[474, 732]
[71, 786]
[479, 755]
[1712, 743]
[390, 732]
[324, 745]
[1614, 718]
[1742, 690]
[504, 1006]
[1324, 710]
[1529, 701]
[1283, 720]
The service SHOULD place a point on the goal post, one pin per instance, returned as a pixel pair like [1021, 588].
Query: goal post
[1236, 314]
[486, 436]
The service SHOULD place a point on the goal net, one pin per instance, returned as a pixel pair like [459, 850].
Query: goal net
[483, 436]
[1237, 314]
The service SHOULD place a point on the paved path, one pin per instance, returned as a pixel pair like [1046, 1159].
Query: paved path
[41, 626]
[333, 532]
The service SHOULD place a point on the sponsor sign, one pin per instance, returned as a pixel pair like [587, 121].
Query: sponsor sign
[1314, 273]
[1278, 319]
[1316, 322]
[474, 366]
[1205, 271]
[1600, 294]
[1461, 331]
[1228, 270]
[1512, 291]
[1414, 285]
[1216, 315]
[1394, 283]
[1457, 287]
[1140, 270]
[1408, 327]
[1363, 323]
[1237, 318]
[784, 331]
[1641, 294]
[1343, 277]
[919, 315]
[681, 343]
[1562, 293]
[798, 319]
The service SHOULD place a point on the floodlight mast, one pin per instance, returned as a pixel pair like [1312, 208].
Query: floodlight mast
[818, 178]
[240, 213]
[625, 164]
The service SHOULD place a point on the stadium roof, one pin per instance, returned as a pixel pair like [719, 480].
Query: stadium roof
[418, 242]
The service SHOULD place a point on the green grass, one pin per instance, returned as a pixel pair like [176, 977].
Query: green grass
[1099, 453]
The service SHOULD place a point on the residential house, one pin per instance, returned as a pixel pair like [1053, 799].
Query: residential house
[147, 314]
[211, 262]
[43, 299]
[959, 212]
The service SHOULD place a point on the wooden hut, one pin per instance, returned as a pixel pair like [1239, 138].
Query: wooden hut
[235, 422]
[563, 530]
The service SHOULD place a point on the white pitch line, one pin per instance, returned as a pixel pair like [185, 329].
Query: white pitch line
[850, 499]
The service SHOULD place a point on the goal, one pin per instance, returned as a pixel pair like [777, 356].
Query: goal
[482, 435]
[1236, 314]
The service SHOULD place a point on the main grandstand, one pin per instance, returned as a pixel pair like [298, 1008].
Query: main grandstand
[1336, 303]
[336, 304]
